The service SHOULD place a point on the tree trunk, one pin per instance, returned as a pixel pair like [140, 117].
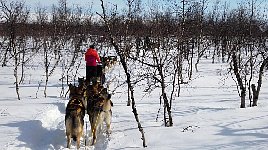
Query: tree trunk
[255, 95]
[16, 75]
[46, 63]
[257, 92]
[243, 98]
[128, 97]
[22, 66]
[239, 80]
[169, 122]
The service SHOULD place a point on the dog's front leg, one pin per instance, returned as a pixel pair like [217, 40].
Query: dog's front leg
[100, 128]
[94, 136]
[68, 141]
[78, 141]
[109, 131]
[108, 124]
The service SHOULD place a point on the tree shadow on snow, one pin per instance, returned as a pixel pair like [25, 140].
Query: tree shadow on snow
[231, 130]
[257, 144]
[34, 136]
[228, 130]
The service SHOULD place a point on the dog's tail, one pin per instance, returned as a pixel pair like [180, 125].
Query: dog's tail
[73, 126]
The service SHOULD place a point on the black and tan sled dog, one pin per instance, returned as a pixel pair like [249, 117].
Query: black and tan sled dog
[99, 110]
[75, 113]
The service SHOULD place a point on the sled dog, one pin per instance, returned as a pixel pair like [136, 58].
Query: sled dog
[99, 111]
[74, 117]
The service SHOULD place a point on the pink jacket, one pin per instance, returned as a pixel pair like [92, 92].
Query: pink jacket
[91, 57]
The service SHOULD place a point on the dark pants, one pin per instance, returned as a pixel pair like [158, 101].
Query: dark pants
[91, 72]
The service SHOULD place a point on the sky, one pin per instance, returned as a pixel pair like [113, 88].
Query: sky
[121, 4]
[96, 4]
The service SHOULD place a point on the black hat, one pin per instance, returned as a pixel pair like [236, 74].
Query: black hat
[92, 46]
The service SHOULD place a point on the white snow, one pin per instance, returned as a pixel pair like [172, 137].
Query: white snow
[206, 115]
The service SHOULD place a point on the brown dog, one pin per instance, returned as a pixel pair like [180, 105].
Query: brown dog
[99, 111]
[74, 117]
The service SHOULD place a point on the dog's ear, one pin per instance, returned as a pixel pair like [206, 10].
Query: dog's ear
[105, 90]
[70, 86]
[109, 96]
[112, 104]
[81, 81]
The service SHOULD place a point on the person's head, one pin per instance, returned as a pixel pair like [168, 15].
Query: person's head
[92, 46]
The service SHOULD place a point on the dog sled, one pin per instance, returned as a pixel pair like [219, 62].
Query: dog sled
[100, 73]
[89, 98]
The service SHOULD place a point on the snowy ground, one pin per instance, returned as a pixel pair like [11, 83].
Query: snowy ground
[206, 116]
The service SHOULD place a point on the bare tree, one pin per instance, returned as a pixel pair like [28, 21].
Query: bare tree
[248, 53]
[125, 67]
[14, 13]
[163, 63]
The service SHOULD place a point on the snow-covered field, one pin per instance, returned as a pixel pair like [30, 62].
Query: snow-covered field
[206, 115]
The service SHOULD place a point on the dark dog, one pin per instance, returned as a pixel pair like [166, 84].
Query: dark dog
[99, 111]
[82, 85]
[75, 113]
